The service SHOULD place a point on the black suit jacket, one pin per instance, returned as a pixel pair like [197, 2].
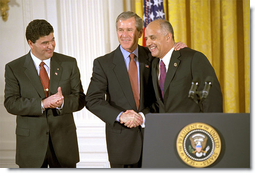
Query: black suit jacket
[23, 96]
[110, 92]
[184, 65]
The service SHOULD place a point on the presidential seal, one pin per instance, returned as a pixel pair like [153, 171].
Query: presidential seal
[198, 145]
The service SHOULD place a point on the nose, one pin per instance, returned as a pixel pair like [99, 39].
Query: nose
[124, 33]
[51, 45]
[148, 42]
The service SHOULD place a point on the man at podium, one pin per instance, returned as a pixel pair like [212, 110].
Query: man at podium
[180, 74]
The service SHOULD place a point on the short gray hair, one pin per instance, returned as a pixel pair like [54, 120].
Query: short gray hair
[166, 26]
[129, 14]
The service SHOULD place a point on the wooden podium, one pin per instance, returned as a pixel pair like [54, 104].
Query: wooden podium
[162, 132]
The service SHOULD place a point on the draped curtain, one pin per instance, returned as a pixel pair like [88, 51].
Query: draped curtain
[221, 30]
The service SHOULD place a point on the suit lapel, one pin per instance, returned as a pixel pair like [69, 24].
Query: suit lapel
[121, 73]
[155, 70]
[33, 76]
[173, 65]
[144, 70]
[55, 73]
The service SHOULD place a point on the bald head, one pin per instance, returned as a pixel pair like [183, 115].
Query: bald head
[159, 37]
[164, 25]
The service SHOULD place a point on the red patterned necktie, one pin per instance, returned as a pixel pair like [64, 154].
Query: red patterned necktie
[162, 77]
[133, 77]
[44, 79]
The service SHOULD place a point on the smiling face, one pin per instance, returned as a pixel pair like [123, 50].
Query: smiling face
[128, 34]
[43, 48]
[158, 41]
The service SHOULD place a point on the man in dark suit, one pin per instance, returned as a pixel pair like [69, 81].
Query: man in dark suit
[173, 72]
[111, 95]
[46, 132]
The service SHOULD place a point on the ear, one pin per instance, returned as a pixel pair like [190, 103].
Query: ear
[30, 43]
[140, 33]
[169, 37]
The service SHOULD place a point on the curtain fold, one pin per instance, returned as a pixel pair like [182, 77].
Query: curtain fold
[221, 30]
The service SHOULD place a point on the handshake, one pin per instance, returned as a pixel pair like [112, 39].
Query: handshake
[131, 119]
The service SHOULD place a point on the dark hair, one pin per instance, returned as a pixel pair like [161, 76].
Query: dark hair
[38, 28]
[129, 14]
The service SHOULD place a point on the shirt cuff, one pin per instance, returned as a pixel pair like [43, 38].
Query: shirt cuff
[42, 108]
[118, 117]
[143, 125]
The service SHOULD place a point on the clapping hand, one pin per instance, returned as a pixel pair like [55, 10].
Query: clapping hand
[54, 101]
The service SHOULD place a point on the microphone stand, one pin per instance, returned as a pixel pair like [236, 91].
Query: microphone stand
[201, 95]
[199, 99]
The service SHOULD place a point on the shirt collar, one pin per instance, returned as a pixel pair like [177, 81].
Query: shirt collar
[166, 59]
[37, 61]
[126, 53]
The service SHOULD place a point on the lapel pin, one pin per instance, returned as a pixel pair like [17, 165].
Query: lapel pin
[56, 73]
[175, 64]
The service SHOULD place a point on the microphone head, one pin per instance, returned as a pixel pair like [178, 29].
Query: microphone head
[209, 80]
[208, 85]
[193, 88]
[195, 81]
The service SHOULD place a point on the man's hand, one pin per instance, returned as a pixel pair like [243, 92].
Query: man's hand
[179, 45]
[54, 101]
[131, 119]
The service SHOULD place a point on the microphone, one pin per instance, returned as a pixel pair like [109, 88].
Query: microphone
[193, 88]
[207, 87]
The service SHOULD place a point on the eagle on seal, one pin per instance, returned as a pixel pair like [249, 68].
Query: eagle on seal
[198, 143]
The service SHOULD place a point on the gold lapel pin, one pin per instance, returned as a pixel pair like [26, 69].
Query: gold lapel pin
[175, 64]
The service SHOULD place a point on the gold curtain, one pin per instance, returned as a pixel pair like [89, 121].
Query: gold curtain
[221, 30]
